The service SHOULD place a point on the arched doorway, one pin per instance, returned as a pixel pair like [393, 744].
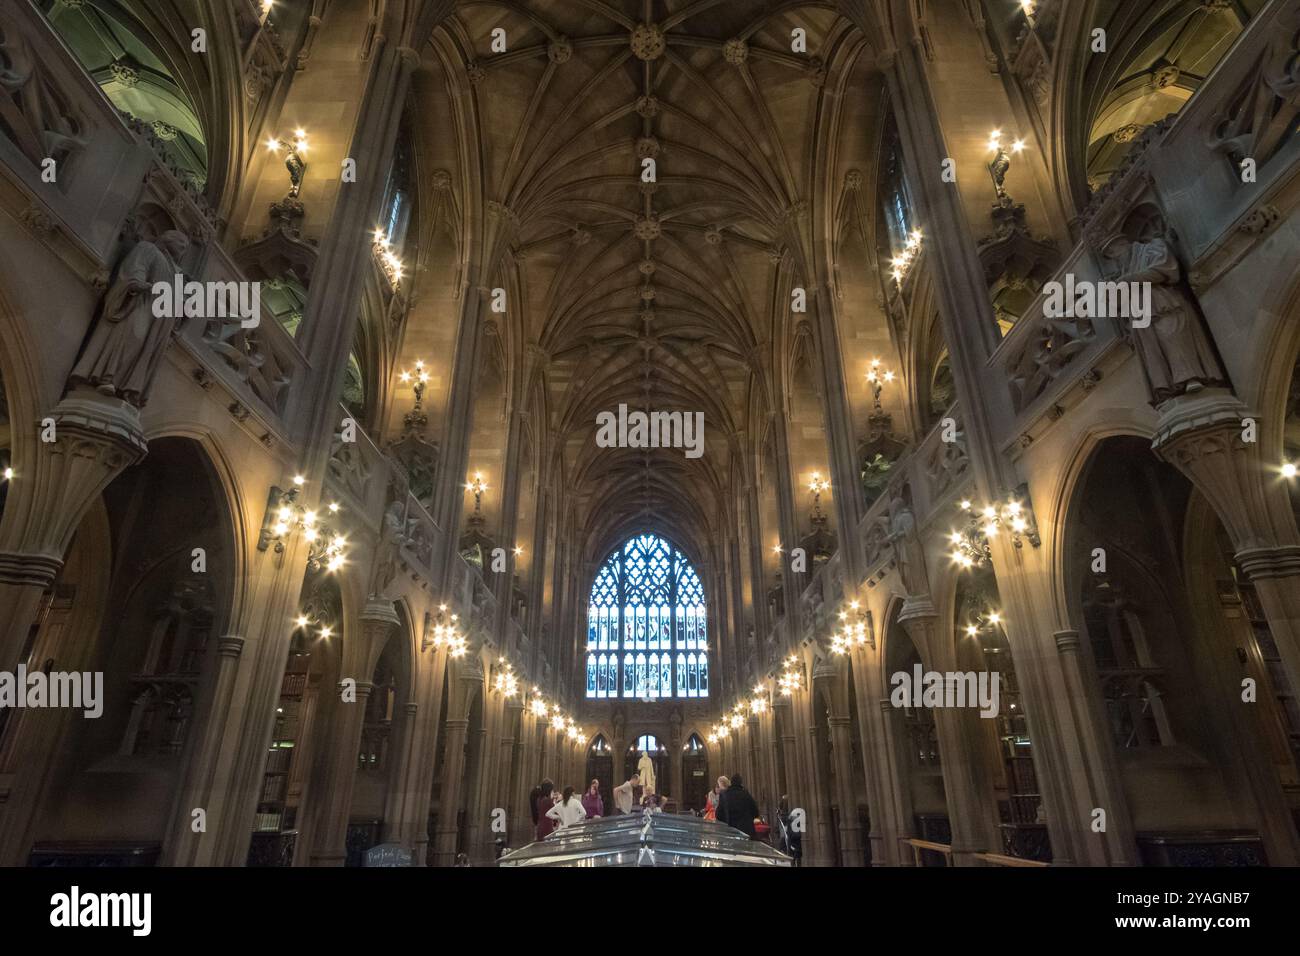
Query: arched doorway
[695, 774]
[117, 780]
[600, 766]
[1168, 667]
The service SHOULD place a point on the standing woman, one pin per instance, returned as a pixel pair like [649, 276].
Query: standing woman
[568, 811]
[545, 824]
[711, 804]
[591, 801]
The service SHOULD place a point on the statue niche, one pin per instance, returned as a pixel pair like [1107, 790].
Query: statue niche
[1175, 351]
[125, 348]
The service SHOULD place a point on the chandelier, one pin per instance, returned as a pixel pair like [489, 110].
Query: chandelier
[327, 548]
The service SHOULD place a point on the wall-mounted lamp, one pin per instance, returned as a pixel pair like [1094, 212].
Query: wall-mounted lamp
[817, 485]
[901, 263]
[1001, 161]
[419, 381]
[293, 158]
[388, 259]
[477, 486]
[443, 633]
[284, 515]
[857, 630]
[791, 678]
[505, 683]
[1014, 517]
[878, 378]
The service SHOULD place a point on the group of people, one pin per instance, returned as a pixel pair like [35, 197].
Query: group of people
[553, 809]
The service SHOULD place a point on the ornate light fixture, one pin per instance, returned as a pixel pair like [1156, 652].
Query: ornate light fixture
[293, 160]
[284, 515]
[477, 486]
[388, 260]
[856, 632]
[991, 620]
[304, 622]
[505, 683]
[817, 485]
[791, 678]
[557, 722]
[444, 634]
[1001, 161]
[902, 262]
[879, 379]
[416, 416]
[971, 544]
[538, 706]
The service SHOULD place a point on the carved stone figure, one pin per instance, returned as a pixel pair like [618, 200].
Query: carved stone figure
[1174, 348]
[394, 536]
[646, 768]
[907, 547]
[128, 342]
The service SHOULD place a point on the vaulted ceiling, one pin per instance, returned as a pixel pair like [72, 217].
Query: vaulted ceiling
[664, 295]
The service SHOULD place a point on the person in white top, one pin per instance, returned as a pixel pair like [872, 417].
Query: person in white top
[568, 811]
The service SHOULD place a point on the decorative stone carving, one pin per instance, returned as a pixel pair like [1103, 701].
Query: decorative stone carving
[908, 553]
[475, 73]
[125, 71]
[647, 106]
[713, 236]
[128, 342]
[559, 50]
[648, 42]
[37, 113]
[1260, 220]
[394, 535]
[946, 463]
[735, 51]
[647, 227]
[1175, 350]
[1047, 352]
[1165, 76]
[1126, 134]
[647, 147]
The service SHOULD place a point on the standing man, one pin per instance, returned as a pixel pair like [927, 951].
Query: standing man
[736, 808]
[623, 794]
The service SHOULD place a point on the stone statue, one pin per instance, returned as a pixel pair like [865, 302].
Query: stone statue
[1174, 348]
[907, 547]
[128, 342]
[646, 768]
[393, 537]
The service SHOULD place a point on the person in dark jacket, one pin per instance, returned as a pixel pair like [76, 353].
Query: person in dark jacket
[544, 802]
[736, 808]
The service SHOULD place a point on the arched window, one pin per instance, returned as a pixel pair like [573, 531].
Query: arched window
[648, 603]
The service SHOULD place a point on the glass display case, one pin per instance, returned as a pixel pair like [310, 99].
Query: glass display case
[646, 839]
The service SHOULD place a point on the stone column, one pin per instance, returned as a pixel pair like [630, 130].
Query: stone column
[327, 841]
[1072, 837]
[846, 794]
[201, 779]
[966, 810]
[899, 822]
[401, 818]
[1201, 435]
[96, 439]
[453, 770]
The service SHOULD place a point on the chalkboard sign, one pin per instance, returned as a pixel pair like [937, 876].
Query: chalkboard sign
[388, 854]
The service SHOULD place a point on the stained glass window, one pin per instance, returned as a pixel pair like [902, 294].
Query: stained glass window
[647, 609]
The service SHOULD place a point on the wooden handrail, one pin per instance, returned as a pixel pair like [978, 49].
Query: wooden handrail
[1000, 859]
[919, 845]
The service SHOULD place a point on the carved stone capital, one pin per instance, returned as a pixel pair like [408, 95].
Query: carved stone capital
[96, 438]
